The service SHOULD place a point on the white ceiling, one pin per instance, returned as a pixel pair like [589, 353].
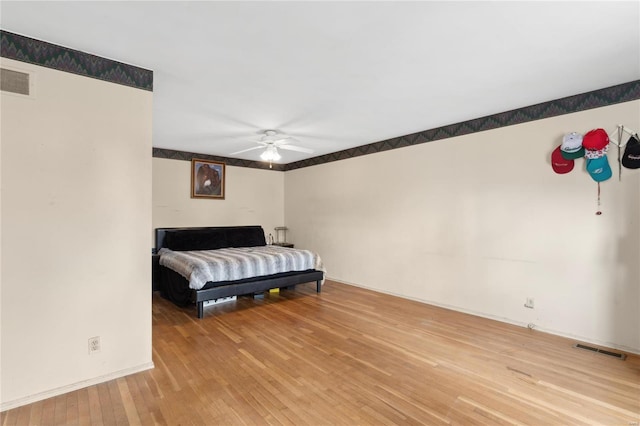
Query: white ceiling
[335, 75]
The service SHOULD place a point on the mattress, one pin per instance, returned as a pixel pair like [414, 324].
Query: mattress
[236, 263]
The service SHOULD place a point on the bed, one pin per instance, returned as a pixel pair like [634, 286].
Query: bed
[199, 264]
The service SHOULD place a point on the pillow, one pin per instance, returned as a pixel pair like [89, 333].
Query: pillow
[196, 239]
[246, 237]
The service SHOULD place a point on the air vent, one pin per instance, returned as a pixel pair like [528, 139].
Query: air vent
[601, 351]
[14, 81]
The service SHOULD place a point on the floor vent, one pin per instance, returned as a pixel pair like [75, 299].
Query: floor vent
[601, 351]
[14, 82]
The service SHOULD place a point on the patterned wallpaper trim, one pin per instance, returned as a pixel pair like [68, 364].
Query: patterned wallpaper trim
[625, 92]
[26, 49]
[599, 98]
[37, 52]
[187, 156]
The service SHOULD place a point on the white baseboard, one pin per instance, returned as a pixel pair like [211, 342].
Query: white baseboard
[8, 405]
[505, 320]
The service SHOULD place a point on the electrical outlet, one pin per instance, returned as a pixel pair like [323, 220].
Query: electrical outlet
[529, 303]
[94, 345]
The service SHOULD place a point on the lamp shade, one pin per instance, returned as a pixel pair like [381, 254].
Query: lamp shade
[270, 154]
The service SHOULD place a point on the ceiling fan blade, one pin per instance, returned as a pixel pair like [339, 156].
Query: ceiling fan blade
[247, 150]
[275, 140]
[296, 148]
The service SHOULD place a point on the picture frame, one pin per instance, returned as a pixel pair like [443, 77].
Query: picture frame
[208, 179]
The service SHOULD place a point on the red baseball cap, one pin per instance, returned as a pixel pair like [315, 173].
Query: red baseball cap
[595, 140]
[560, 164]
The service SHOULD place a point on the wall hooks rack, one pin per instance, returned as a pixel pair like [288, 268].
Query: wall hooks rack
[616, 137]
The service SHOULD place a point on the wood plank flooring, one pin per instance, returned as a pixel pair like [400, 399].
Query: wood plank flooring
[350, 356]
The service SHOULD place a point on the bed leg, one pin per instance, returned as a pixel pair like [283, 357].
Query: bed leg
[200, 309]
[318, 286]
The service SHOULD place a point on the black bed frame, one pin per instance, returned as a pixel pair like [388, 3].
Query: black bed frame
[238, 288]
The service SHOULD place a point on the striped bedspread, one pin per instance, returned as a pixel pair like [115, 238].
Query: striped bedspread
[230, 264]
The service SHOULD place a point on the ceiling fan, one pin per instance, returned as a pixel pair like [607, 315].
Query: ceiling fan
[270, 141]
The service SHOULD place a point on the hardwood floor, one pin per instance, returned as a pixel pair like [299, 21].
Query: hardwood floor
[352, 357]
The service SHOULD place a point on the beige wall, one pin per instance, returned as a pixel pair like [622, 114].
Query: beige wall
[252, 197]
[76, 214]
[480, 222]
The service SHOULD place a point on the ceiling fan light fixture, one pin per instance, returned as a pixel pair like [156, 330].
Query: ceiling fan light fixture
[270, 154]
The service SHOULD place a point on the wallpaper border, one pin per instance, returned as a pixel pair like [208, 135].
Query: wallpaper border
[172, 154]
[38, 52]
[30, 50]
[620, 93]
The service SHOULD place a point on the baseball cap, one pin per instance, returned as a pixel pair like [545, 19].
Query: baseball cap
[571, 147]
[592, 154]
[599, 168]
[595, 139]
[631, 156]
[560, 164]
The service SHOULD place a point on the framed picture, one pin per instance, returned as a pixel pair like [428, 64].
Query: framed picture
[207, 179]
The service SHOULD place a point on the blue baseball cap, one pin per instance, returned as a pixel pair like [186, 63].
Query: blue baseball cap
[599, 168]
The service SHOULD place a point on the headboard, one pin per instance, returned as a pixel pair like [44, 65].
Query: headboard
[209, 238]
